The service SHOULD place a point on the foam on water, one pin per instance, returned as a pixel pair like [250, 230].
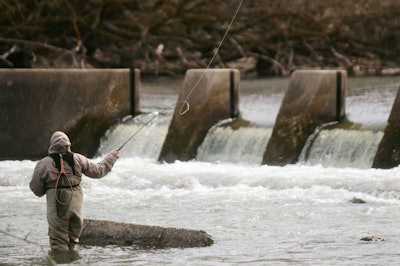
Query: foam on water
[290, 182]
[135, 174]
[257, 214]
[250, 210]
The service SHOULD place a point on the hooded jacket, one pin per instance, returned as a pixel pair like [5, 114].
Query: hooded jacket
[46, 171]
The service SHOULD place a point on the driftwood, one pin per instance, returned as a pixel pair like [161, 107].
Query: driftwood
[101, 233]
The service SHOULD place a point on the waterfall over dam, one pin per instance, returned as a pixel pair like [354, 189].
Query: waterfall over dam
[347, 144]
[278, 118]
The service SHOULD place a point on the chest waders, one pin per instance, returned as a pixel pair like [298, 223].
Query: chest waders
[64, 205]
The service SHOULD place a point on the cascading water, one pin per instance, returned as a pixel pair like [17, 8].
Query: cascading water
[330, 147]
[298, 214]
[242, 145]
[342, 148]
[147, 144]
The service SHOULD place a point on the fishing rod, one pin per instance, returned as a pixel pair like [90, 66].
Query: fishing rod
[156, 114]
[185, 104]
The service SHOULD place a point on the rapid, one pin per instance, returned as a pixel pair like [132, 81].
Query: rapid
[299, 214]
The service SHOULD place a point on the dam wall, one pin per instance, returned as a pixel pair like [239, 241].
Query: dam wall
[83, 103]
[207, 96]
[388, 153]
[313, 98]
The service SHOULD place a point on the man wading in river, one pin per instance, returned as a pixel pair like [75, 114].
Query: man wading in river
[58, 176]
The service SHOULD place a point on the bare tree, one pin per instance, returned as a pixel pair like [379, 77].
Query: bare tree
[168, 37]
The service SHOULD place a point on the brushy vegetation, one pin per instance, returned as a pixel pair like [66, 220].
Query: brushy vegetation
[268, 37]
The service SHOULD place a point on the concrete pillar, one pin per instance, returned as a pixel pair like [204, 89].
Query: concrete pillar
[84, 103]
[212, 95]
[314, 98]
[388, 154]
[99, 233]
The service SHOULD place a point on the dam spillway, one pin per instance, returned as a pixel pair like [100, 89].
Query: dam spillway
[204, 148]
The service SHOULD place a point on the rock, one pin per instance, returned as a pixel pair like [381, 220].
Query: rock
[357, 200]
[372, 238]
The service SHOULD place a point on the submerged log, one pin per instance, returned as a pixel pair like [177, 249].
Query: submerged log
[101, 233]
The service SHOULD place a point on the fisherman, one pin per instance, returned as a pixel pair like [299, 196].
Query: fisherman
[58, 175]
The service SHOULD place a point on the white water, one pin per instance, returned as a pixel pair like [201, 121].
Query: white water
[242, 145]
[343, 148]
[257, 214]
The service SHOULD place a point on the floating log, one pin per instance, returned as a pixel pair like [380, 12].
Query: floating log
[101, 233]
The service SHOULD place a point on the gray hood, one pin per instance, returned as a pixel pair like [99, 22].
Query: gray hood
[59, 143]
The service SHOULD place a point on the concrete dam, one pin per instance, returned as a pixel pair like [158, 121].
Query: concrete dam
[85, 103]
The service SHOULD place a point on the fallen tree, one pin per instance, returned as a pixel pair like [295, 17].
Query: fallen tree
[101, 233]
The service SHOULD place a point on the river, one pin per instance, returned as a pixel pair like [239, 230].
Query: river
[299, 214]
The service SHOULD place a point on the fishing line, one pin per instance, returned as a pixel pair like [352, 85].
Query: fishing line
[185, 104]
[212, 58]
[156, 114]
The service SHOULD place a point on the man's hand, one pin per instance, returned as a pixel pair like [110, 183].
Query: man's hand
[115, 153]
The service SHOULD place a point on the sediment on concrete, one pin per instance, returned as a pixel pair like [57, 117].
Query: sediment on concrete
[212, 95]
[101, 233]
[84, 103]
[388, 153]
[314, 98]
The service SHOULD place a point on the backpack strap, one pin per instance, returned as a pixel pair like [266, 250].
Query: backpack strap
[62, 170]
[62, 177]
[68, 156]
